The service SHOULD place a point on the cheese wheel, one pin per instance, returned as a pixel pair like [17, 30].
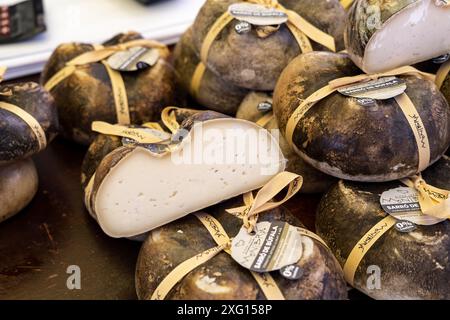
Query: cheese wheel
[18, 186]
[87, 96]
[18, 139]
[383, 35]
[255, 63]
[413, 265]
[221, 278]
[347, 139]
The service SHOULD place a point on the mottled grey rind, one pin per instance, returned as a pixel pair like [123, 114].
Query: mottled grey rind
[17, 139]
[172, 244]
[314, 181]
[86, 95]
[18, 186]
[255, 63]
[358, 31]
[214, 93]
[413, 265]
[345, 139]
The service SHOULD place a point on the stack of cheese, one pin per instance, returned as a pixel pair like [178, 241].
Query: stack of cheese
[28, 122]
[367, 116]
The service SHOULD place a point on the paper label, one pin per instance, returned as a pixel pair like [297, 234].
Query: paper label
[243, 27]
[403, 204]
[133, 59]
[292, 272]
[273, 246]
[380, 89]
[257, 14]
[265, 106]
[405, 226]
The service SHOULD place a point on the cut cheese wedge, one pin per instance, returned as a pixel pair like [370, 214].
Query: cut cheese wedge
[136, 191]
[383, 35]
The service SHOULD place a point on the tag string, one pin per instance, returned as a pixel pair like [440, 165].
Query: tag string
[403, 100]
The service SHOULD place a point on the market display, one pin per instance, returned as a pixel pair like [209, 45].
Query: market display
[344, 100]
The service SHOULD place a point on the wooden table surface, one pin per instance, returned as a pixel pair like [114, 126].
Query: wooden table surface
[54, 232]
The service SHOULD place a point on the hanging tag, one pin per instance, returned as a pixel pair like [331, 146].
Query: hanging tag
[133, 59]
[257, 14]
[273, 246]
[403, 204]
[380, 89]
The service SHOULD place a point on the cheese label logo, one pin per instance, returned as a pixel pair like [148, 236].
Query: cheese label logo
[405, 226]
[292, 272]
[380, 89]
[273, 246]
[403, 204]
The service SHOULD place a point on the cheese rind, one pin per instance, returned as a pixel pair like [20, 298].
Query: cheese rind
[136, 191]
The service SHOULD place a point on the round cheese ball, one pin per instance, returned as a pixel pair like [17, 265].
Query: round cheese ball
[255, 63]
[18, 140]
[353, 141]
[413, 265]
[222, 278]
[87, 96]
[18, 186]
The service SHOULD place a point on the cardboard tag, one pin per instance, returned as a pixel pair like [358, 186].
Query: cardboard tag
[133, 59]
[292, 272]
[403, 204]
[257, 14]
[273, 246]
[380, 89]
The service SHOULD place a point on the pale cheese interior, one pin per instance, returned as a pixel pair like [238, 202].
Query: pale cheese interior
[143, 192]
[418, 33]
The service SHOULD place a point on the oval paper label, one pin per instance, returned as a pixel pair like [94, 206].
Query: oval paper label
[133, 59]
[380, 89]
[403, 204]
[257, 14]
[273, 246]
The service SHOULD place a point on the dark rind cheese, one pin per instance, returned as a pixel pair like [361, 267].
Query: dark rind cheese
[413, 265]
[352, 141]
[256, 63]
[86, 95]
[18, 140]
[222, 278]
[214, 92]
